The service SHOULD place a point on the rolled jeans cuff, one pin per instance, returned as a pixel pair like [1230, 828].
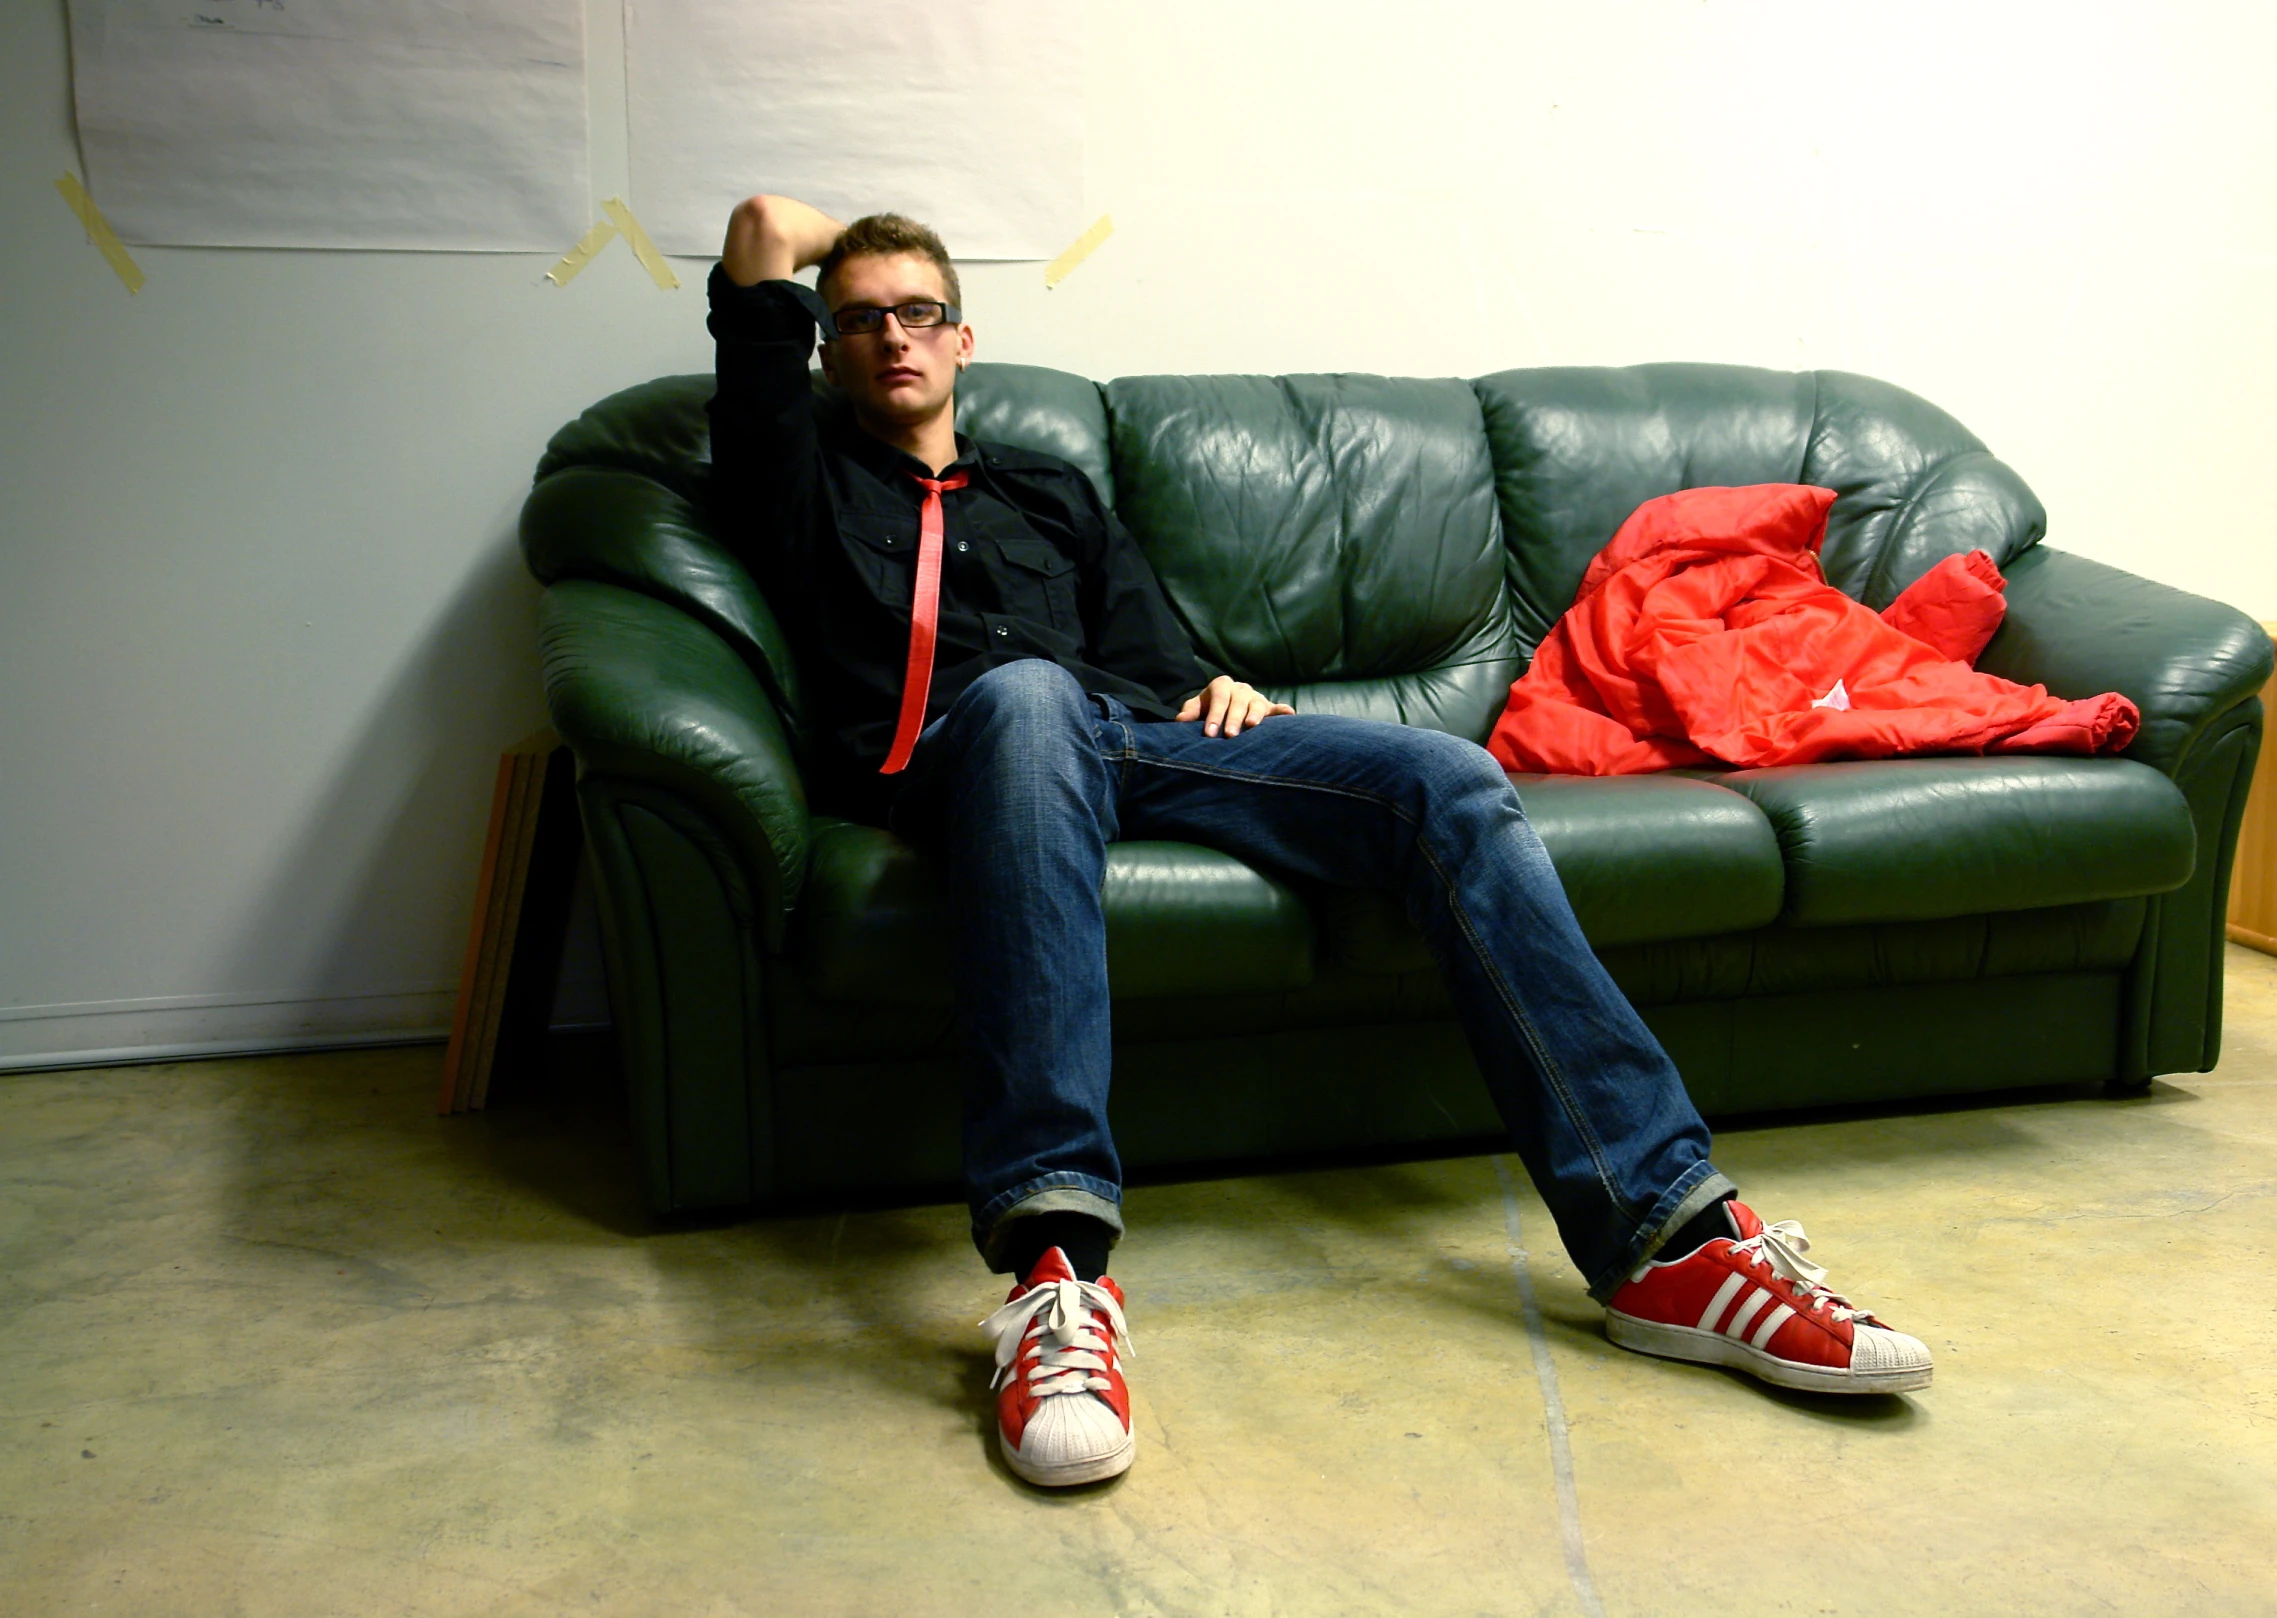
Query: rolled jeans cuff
[1064, 1192]
[1694, 1190]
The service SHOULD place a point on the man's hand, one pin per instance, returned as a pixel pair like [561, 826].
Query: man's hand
[1226, 701]
[773, 238]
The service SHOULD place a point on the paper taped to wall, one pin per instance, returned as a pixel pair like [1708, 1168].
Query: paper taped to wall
[99, 232]
[966, 114]
[440, 124]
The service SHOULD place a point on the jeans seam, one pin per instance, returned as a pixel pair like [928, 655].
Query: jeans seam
[1126, 755]
[1259, 779]
[1555, 1075]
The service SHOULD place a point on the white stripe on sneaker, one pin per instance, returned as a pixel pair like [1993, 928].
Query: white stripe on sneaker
[1771, 1323]
[1737, 1327]
[1732, 1283]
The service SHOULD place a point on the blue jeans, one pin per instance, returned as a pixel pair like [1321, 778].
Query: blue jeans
[1023, 783]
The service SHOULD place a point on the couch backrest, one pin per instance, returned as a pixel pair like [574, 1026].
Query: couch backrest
[1387, 547]
[1044, 410]
[1576, 449]
[1332, 539]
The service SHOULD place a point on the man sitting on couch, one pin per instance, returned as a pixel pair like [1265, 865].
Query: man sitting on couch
[997, 675]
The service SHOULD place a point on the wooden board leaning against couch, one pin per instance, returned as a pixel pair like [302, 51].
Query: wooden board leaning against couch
[2253, 878]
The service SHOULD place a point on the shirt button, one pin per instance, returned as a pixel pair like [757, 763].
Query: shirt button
[1002, 631]
[962, 546]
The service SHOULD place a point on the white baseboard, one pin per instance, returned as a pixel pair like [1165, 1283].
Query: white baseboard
[102, 1033]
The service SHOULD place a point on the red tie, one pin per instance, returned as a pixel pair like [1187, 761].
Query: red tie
[924, 614]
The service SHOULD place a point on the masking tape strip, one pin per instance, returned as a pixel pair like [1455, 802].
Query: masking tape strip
[99, 231]
[600, 236]
[1078, 250]
[643, 249]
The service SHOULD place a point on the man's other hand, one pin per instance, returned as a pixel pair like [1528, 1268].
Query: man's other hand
[773, 238]
[1226, 702]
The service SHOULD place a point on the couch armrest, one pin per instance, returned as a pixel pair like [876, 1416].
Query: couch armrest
[617, 527]
[640, 690]
[2080, 628]
[2195, 668]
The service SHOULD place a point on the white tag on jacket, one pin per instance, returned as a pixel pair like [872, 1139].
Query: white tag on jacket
[1837, 698]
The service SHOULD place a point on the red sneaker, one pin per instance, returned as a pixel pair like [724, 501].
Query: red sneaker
[1756, 1303]
[1062, 1411]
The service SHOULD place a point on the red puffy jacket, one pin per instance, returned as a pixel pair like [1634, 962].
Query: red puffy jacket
[1706, 632]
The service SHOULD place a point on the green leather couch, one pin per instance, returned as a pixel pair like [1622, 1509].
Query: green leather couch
[1392, 548]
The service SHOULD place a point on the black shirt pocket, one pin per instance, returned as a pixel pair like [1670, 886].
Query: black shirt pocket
[1038, 582]
[883, 553]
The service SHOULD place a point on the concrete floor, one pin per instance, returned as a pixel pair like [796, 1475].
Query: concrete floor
[276, 1340]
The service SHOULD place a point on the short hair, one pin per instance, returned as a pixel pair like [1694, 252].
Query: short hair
[878, 235]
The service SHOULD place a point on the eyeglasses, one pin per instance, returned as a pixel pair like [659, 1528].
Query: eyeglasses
[860, 319]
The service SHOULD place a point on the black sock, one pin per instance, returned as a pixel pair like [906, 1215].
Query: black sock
[1697, 1231]
[1082, 1238]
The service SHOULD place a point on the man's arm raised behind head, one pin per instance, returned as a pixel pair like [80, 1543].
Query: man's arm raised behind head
[773, 238]
[766, 480]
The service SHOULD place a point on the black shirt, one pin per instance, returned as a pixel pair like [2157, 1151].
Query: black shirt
[1033, 563]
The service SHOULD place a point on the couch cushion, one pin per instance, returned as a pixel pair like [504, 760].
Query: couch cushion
[1915, 839]
[872, 923]
[1643, 858]
[1646, 857]
[1332, 539]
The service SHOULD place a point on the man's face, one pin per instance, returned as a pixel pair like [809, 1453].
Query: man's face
[892, 376]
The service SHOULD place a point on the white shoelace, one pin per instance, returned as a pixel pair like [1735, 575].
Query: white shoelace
[1075, 1355]
[1782, 1247]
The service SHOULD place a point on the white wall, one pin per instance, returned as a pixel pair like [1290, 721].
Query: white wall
[262, 630]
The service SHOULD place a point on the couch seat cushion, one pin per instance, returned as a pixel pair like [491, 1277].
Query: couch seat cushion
[1643, 858]
[1919, 838]
[872, 922]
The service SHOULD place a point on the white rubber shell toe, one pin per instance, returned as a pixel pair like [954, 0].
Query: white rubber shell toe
[1072, 1438]
[1877, 1351]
